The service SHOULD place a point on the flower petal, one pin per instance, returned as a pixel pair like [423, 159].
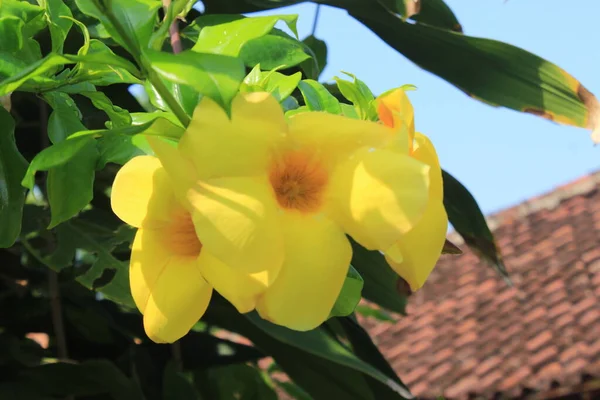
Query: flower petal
[425, 152]
[178, 299]
[396, 111]
[239, 288]
[422, 246]
[378, 195]
[336, 137]
[317, 256]
[181, 172]
[220, 147]
[236, 219]
[141, 191]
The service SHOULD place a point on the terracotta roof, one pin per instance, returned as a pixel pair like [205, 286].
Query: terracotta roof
[469, 334]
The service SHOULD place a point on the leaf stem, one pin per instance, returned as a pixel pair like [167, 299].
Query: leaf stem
[173, 29]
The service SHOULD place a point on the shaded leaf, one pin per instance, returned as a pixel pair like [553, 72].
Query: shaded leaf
[319, 343]
[315, 66]
[381, 281]
[100, 241]
[467, 219]
[359, 94]
[77, 171]
[86, 379]
[233, 382]
[321, 378]
[54, 156]
[118, 116]
[367, 351]
[176, 385]
[12, 170]
[317, 98]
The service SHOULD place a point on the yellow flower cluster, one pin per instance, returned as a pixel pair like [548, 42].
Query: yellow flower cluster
[257, 207]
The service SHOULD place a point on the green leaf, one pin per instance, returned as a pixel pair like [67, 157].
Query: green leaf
[273, 51]
[318, 343]
[34, 73]
[381, 281]
[367, 351]
[176, 385]
[317, 98]
[32, 15]
[438, 14]
[12, 170]
[118, 116]
[469, 222]
[313, 371]
[490, 71]
[233, 382]
[314, 67]
[108, 275]
[117, 148]
[11, 38]
[101, 67]
[185, 95]
[227, 34]
[431, 12]
[129, 22]
[372, 312]
[212, 75]
[77, 171]
[90, 378]
[58, 17]
[349, 296]
[53, 156]
[279, 85]
[359, 94]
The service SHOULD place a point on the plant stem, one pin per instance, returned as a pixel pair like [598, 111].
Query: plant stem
[55, 306]
[177, 358]
[173, 104]
[173, 30]
[315, 20]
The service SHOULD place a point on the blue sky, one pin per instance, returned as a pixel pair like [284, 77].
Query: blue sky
[502, 156]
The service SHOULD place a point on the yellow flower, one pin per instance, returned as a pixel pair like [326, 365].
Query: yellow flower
[414, 256]
[166, 282]
[273, 200]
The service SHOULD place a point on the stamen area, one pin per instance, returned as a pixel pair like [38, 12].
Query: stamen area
[299, 181]
[180, 236]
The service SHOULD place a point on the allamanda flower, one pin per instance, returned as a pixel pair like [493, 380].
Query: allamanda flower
[166, 282]
[273, 199]
[414, 256]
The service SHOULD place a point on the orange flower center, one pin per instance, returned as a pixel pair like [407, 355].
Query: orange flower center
[180, 236]
[299, 182]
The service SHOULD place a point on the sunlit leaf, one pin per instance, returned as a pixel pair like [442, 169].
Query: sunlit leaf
[272, 51]
[227, 34]
[135, 17]
[350, 295]
[212, 75]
